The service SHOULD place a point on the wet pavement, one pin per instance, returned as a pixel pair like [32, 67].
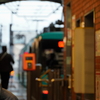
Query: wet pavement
[17, 89]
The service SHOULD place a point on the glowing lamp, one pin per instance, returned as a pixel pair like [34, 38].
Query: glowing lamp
[12, 73]
[60, 44]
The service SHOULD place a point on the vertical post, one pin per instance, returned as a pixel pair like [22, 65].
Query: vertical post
[28, 85]
[0, 34]
[50, 87]
[11, 40]
[24, 39]
[65, 56]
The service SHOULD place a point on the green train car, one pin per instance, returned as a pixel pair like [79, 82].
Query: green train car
[42, 46]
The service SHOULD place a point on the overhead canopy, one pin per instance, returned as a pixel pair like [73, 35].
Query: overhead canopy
[5, 1]
[35, 10]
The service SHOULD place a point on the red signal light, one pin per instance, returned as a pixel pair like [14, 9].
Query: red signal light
[45, 91]
[60, 44]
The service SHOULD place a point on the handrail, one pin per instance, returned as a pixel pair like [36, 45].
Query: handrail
[56, 79]
[45, 72]
[52, 80]
[38, 79]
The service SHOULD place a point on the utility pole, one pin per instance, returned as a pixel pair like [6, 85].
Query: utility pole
[11, 40]
[0, 34]
[11, 35]
[0, 37]
[37, 22]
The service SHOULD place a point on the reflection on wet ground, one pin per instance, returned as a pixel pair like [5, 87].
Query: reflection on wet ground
[17, 89]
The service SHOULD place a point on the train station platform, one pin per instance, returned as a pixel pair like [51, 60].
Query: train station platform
[17, 89]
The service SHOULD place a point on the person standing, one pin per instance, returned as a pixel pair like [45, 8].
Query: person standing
[6, 62]
[52, 62]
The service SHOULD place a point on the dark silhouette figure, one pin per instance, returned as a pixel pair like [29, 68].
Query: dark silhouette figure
[6, 62]
[52, 62]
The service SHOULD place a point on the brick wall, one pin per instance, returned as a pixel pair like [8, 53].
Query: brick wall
[98, 62]
[82, 7]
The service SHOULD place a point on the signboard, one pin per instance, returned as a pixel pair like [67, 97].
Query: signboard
[29, 62]
[97, 65]
[97, 43]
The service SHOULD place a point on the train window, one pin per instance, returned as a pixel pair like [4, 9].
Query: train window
[78, 23]
[51, 44]
[89, 19]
